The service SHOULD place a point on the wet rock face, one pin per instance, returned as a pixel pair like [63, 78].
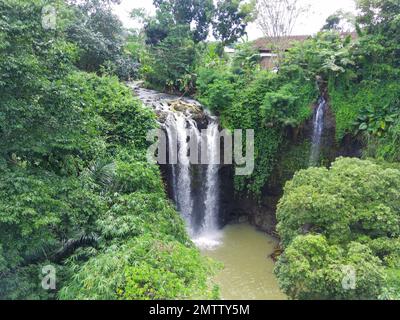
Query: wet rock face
[260, 214]
[227, 205]
[328, 140]
[163, 104]
[350, 146]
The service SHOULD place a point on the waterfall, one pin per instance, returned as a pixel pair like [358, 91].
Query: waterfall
[182, 184]
[197, 200]
[212, 182]
[318, 127]
[171, 130]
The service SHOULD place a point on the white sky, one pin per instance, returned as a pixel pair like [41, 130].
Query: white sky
[310, 24]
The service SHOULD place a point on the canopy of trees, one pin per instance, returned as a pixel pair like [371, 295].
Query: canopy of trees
[76, 191]
[345, 216]
[174, 34]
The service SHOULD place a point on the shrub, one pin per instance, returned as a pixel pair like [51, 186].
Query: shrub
[143, 268]
[346, 215]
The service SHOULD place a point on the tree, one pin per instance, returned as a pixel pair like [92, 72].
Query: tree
[378, 14]
[195, 15]
[230, 19]
[313, 269]
[174, 33]
[380, 18]
[276, 19]
[325, 55]
[340, 21]
[347, 215]
[100, 36]
[173, 61]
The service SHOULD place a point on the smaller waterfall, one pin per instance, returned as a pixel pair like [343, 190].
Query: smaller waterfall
[318, 127]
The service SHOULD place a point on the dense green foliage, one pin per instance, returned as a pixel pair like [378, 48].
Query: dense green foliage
[348, 215]
[366, 98]
[175, 33]
[76, 191]
[172, 61]
[361, 76]
[328, 219]
[255, 99]
[100, 37]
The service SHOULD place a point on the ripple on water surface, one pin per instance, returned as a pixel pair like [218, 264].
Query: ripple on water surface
[248, 272]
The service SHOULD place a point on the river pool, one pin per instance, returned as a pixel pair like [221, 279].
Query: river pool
[248, 271]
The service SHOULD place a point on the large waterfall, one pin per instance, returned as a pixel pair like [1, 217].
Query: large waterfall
[176, 128]
[318, 127]
[194, 185]
[212, 182]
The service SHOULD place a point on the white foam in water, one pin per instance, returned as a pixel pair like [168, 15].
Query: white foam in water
[208, 241]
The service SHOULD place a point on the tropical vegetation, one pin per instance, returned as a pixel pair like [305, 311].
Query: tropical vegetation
[77, 192]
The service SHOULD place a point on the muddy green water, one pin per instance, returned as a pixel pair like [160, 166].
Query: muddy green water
[248, 271]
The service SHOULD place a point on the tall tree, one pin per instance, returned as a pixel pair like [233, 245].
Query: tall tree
[231, 19]
[228, 18]
[340, 21]
[379, 14]
[99, 34]
[276, 19]
[196, 15]
[178, 26]
[381, 20]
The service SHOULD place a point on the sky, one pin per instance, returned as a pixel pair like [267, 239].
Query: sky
[309, 24]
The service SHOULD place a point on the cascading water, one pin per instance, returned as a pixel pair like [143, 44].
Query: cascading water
[209, 235]
[172, 143]
[197, 199]
[191, 133]
[212, 182]
[181, 180]
[318, 127]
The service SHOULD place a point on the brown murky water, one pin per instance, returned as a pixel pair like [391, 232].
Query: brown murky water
[248, 272]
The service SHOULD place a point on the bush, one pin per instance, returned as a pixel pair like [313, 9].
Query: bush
[216, 88]
[143, 268]
[328, 218]
[134, 215]
[312, 269]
